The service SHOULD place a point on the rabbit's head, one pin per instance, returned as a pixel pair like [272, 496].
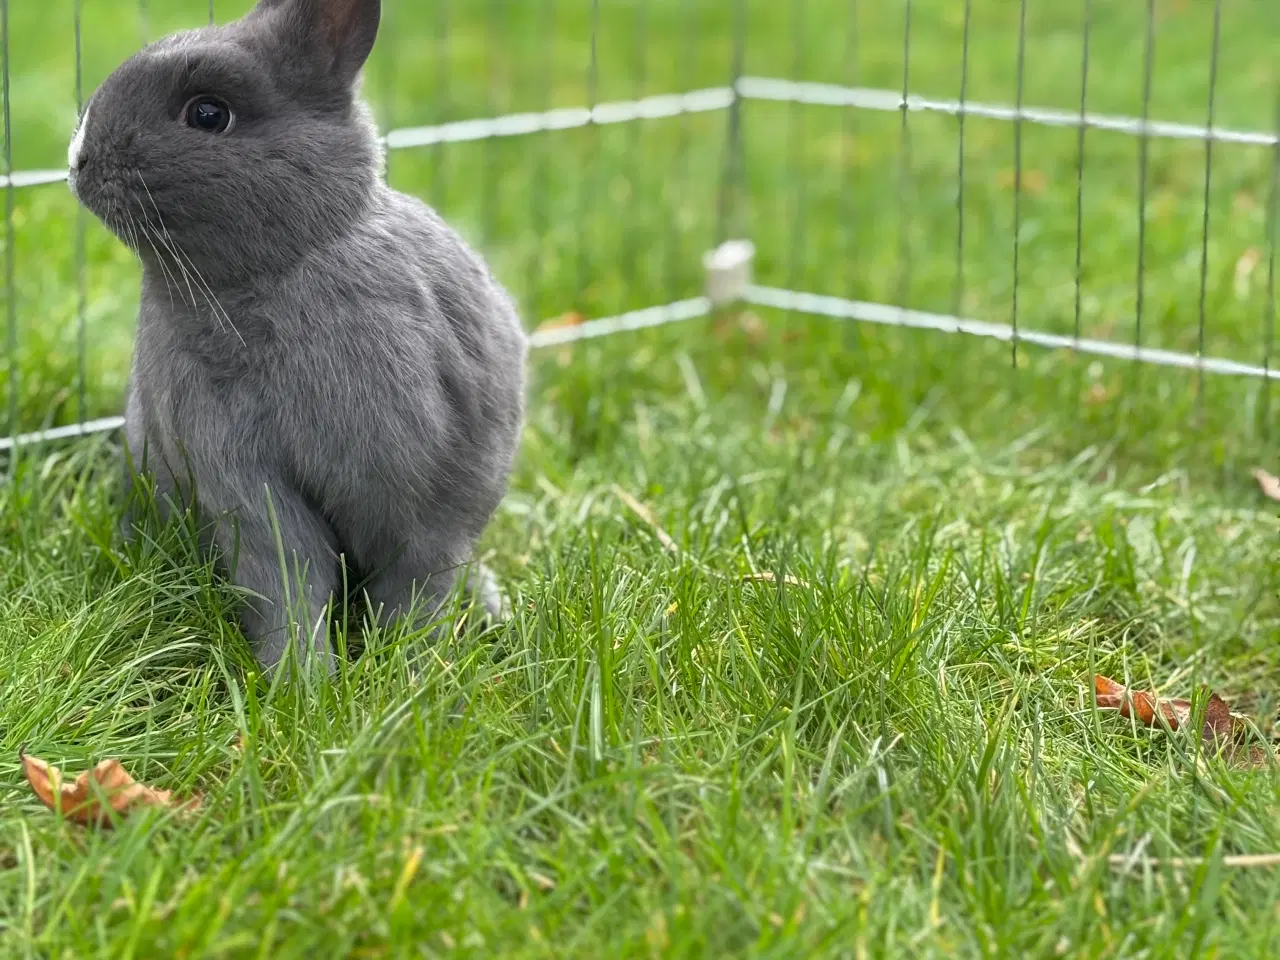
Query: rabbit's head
[235, 148]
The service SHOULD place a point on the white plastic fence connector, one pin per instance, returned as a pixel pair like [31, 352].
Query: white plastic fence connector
[728, 269]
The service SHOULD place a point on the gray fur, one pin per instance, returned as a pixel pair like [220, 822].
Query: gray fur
[316, 353]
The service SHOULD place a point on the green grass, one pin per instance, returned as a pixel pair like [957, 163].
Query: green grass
[895, 756]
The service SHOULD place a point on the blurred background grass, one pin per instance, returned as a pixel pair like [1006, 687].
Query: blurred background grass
[601, 220]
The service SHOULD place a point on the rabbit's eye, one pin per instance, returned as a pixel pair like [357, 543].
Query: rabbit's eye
[209, 114]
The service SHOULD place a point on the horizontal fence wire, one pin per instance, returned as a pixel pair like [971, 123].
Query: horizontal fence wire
[541, 338]
[799, 302]
[891, 316]
[891, 101]
[664, 106]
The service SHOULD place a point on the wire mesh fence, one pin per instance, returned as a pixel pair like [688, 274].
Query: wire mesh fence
[1080, 176]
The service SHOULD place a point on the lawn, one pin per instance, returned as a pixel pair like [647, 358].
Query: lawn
[826, 691]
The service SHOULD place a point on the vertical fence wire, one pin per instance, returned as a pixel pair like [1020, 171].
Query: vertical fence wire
[1269, 309]
[1148, 59]
[1208, 187]
[639, 82]
[848, 206]
[631, 219]
[796, 134]
[1086, 29]
[82, 295]
[10, 293]
[442, 111]
[211, 19]
[904, 168]
[538, 178]
[144, 19]
[1017, 175]
[852, 336]
[488, 160]
[957, 294]
[729, 216]
[586, 194]
[678, 182]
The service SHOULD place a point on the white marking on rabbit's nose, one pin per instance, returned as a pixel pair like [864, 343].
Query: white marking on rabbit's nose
[77, 142]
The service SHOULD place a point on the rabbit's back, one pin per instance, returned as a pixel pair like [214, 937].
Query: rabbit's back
[420, 362]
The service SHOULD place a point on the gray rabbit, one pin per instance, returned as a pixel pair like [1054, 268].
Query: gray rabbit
[322, 365]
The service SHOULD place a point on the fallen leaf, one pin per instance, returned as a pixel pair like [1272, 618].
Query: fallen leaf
[753, 328]
[1096, 394]
[1269, 483]
[1221, 726]
[744, 323]
[570, 319]
[1219, 721]
[107, 787]
[1116, 696]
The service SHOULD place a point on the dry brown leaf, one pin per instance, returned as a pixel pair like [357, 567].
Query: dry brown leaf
[570, 319]
[91, 798]
[1219, 722]
[1221, 727]
[1269, 483]
[753, 328]
[745, 324]
[1097, 394]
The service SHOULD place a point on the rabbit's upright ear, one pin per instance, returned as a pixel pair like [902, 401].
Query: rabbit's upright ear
[335, 36]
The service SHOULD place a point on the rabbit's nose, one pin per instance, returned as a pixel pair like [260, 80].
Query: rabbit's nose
[76, 153]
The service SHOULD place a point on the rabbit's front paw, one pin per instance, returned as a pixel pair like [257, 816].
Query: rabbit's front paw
[483, 586]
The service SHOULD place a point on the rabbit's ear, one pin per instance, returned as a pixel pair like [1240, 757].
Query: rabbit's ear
[335, 35]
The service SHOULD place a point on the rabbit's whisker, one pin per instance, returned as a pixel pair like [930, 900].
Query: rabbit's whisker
[148, 230]
[166, 240]
[136, 230]
[188, 268]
